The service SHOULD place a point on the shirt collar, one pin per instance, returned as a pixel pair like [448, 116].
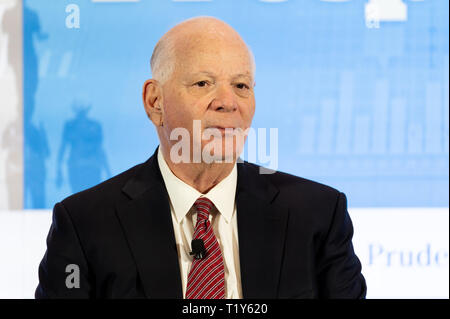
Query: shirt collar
[182, 196]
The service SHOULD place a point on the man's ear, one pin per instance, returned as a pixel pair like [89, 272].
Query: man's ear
[153, 101]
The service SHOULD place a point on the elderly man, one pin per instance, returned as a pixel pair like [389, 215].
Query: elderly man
[196, 228]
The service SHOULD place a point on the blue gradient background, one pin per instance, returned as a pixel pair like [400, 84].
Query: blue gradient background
[361, 109]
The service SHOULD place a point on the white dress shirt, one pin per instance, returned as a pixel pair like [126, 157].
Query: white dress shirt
[222, 218]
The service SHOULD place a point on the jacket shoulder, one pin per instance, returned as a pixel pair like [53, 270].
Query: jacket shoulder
[294, 185]
[101, 195]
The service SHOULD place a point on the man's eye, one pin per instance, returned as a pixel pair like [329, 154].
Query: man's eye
[201, 83]
[242, 86]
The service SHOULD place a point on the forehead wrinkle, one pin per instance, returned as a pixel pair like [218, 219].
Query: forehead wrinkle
[186, 52]
[198, 42]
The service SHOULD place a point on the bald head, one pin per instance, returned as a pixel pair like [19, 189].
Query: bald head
[188, 37]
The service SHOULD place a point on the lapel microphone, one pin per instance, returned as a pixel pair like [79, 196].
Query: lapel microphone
[198, 249]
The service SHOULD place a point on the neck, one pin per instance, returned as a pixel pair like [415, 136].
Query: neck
[201, 176]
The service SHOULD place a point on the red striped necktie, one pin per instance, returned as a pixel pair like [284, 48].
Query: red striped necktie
[206, 279]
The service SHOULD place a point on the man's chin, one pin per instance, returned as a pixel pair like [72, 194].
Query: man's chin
[219, 157]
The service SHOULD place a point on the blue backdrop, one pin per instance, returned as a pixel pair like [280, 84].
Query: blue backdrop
[361, 108]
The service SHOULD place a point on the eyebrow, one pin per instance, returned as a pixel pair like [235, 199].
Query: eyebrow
[242, 75]
[212, 74]
[204, 72]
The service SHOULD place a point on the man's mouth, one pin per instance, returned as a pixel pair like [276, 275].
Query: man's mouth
[223, 130]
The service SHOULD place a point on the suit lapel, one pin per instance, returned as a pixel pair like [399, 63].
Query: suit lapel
[261, 232]
[148, 227]
[147, 224]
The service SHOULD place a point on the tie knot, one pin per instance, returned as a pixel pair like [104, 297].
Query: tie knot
[203, 206]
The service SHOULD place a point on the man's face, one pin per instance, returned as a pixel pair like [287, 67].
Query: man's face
[213, 82]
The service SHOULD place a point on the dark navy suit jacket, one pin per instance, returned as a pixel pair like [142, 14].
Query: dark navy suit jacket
[294, 239]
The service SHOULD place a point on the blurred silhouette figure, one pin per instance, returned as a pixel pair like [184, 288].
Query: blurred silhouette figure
[87, 160]
[36, 146]
[36, 153]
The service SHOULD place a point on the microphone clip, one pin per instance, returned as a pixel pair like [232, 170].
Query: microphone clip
[198, 249]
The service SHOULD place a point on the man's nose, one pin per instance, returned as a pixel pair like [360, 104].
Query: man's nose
[224, 99]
